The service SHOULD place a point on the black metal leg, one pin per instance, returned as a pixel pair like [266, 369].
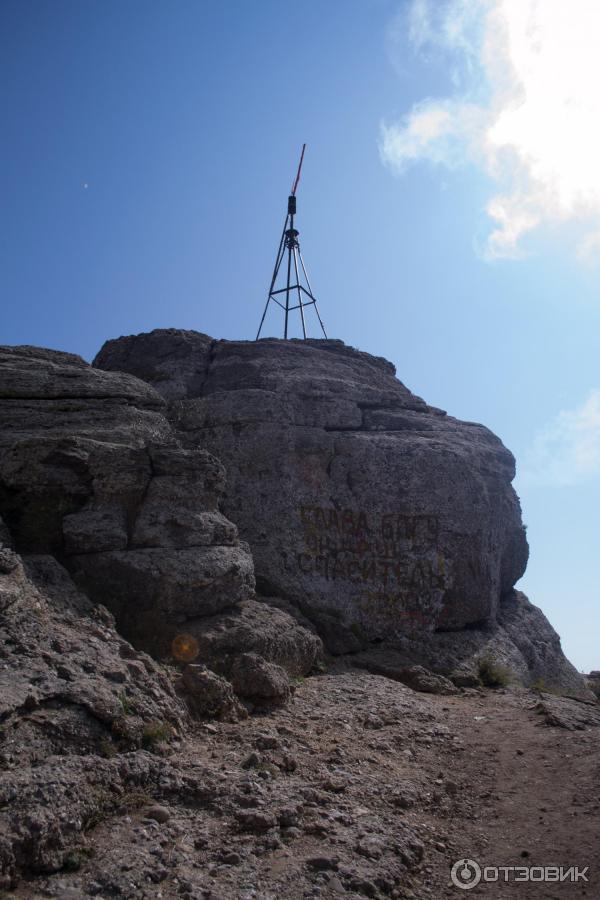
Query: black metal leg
[275, 272]
[287, 294]
[299, 294]
[311, 293]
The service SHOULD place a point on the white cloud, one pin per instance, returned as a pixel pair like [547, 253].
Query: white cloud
[436, 130]
[528, 112]
[567, 452]
[589, 248]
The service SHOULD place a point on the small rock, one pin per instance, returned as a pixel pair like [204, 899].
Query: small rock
[289, 764]
[323, 863]
[371, 847]
[335, 785]
[266, 742]
[465, 679]
[289, 816]
[373, 722]
[255, 820]
[208, 695]
[404, 799]
[260, 681]
[157, 875]
[159, 813]
[252, 761]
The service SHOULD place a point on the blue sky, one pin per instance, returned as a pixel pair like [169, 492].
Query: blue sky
[148, 148]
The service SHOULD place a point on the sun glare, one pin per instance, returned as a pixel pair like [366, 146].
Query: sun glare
[552, 120]
[538, 135]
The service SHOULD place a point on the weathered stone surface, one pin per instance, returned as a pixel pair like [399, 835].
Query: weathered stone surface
[28, 373]
[521, 641]
[259, 681]
[255, 627]
[209, 696]
[162, 525]
[69, 681]
[561, 712]
[54, 393]
[177, 362]
[156, 593]
[593, 683]
[72, 692]
[416, 677]
[362, 505]
[95, 530]
[93, 474]
[379, 517]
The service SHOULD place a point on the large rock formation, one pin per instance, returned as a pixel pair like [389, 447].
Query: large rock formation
[361, 503]
[91, 472]
[379, 517]
[390, 528]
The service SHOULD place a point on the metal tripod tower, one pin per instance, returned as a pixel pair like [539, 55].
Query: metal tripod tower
[295, 294]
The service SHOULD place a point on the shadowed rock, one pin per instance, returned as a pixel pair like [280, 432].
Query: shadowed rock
[255, 627]
[73, 693]
[261, 682]
[379, 517]
[360, 502]
[209, 696]
[91, 472]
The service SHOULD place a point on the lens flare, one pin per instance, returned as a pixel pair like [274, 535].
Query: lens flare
[185, 648]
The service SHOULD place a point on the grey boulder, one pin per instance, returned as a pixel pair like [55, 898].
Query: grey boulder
[91, 472]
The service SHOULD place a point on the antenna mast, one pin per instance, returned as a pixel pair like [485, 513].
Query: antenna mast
[294, 289]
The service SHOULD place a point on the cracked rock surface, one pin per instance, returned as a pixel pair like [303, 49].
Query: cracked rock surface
[75, 696]
[250, 764]
[92, 473]
[379, 518]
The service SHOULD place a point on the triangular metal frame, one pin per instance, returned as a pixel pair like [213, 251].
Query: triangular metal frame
[294, 290]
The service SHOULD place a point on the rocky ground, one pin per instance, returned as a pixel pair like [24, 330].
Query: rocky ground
[267, 682]
[360, 787]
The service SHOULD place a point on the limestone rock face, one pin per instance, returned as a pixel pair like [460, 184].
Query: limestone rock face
[261, 682]
[255, 627]
[375, 514]
[593, 683]
[208, 695]
[73, 694]
[520, 641]
[176, 363]
[91, 472]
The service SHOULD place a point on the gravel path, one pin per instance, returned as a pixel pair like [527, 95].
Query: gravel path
[359, 788]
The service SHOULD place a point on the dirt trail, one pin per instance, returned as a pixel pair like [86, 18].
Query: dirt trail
[359, 788]
[534, 791]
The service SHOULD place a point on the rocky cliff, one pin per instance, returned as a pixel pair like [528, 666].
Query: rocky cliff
[103, 509]
[381, 519]
[91, 472]
[182, 525]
